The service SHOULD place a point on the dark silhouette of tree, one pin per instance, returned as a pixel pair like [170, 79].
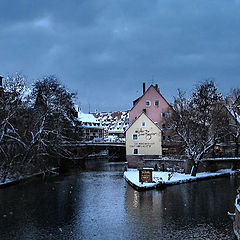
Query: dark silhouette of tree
[34, 127]
[200, 121]
[233, 105]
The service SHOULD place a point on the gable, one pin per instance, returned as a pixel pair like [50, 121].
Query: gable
[152, 93]
[142, 117]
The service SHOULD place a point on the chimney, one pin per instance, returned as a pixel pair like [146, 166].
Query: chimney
[144, 87]
[156, 87]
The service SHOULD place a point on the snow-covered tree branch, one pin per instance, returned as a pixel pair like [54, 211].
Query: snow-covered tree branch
[199, 121]
[33, 125]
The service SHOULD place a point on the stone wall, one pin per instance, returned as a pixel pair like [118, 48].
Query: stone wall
[153, 162]
[213, 165]
[181, 165]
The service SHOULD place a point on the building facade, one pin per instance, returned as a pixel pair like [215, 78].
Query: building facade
[143, 140]
[159, 110]
[92, 129]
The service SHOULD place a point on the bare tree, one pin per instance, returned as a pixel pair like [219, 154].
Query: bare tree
[11, 104]
[233, 105]
[34, 128]
[54, 103]
[199, 121]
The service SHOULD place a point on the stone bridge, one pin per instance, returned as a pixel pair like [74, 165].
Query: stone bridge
[86, 150]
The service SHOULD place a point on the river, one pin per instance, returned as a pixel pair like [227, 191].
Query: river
[99, 204]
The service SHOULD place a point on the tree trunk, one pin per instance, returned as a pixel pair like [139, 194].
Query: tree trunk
[236, 148]
[194, 169]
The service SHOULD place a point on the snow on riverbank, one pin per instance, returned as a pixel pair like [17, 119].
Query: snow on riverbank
[132, 176]
[9, 182]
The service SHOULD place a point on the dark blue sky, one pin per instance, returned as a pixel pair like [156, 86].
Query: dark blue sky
[105, 49]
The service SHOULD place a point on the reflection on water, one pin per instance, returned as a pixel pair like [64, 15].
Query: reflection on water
[99, 204]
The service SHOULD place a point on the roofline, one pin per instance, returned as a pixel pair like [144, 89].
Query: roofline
[147, 117]
[146, 92]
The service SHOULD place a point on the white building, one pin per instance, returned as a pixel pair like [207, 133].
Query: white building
[92, 127]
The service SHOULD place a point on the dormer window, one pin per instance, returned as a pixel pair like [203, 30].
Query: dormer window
[148, 103]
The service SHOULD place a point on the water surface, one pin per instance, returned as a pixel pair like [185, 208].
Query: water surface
[98, 204]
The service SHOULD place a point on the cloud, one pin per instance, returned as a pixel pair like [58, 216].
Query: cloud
[105, 49]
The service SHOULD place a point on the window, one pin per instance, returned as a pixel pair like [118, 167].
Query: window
[143, 124]
[148, 103]
[164, 126]
[156, 103]
[163, 115]
[135, 137]
[168, 114]
[163, 138]
[135, 151]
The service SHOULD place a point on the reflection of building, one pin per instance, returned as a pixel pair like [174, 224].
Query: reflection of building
[159, 110]
[114, 124]
[92, 128]
[143, 138]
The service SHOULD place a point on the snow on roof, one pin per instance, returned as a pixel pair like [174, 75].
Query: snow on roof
[87, 117]
[114, 122]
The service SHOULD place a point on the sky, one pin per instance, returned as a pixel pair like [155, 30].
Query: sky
[105, 49]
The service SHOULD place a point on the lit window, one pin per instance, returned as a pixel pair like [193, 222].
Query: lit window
[143, 124]
[135, 137]
[156, 103]
[148, 103]
[135, 151]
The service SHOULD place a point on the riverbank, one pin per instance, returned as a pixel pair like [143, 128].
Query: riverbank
[162, 179]
[10, 182]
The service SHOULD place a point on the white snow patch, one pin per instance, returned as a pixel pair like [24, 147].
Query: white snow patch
[85, 117]
[132, 175]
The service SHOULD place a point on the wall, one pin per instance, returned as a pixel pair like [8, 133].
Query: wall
[180, 165]
[149, 138]
[213, 165]
[154, 112]
[152, 161]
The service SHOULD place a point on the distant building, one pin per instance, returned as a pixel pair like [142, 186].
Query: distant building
[143, 139]
[92, 128]
[115, 124]
[159, 110]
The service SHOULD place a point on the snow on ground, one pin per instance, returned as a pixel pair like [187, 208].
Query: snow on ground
[132, 175]
[237, 201]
